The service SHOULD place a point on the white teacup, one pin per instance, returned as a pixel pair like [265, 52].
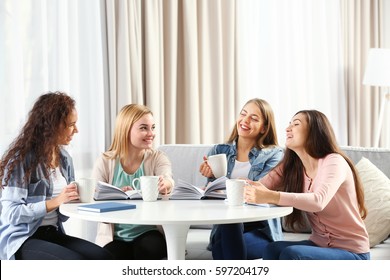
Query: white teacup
[148, 187]
[218, 164]
[235, 191]
[86, 188]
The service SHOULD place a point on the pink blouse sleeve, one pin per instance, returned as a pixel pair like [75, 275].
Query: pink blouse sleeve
[332, 172]
[273, 180]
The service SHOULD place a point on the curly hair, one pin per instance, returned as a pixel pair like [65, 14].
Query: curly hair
[39, 135]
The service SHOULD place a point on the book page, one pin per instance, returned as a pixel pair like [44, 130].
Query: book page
[216, 189]
[185, 190]
[105, 191]
[133, 194]
[216, 186]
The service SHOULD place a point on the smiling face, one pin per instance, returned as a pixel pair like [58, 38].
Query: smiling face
[250, 122]
[296, 132]
[68, 129]
[142, 132]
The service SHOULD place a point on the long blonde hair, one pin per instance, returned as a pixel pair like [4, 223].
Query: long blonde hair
[125, 120]
[269, 137]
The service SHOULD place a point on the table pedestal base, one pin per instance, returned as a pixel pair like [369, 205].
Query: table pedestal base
[176, 237]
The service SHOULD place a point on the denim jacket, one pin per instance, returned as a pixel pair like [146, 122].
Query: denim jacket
[262, 161]
[24, 204]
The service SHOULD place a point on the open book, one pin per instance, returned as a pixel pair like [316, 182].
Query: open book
[105, 191]
[214, 190]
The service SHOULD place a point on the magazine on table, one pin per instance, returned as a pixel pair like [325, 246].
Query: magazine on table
[214, 190]
[105, 191]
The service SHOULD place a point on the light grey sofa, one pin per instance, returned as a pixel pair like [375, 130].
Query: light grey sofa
[186, 159]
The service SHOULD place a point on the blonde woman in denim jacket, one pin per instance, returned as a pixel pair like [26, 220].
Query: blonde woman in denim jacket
[252, 151]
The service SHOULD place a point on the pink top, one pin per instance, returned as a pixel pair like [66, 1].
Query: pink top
[331, 205]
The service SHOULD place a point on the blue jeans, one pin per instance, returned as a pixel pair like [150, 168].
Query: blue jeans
[230, 242]
[307, 250]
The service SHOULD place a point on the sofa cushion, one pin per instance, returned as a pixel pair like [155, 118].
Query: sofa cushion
[377, 198]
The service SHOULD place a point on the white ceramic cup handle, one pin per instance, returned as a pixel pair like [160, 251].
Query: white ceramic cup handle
[133, 184]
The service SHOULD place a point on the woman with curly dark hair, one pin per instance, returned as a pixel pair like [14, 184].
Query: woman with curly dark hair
[36, 174]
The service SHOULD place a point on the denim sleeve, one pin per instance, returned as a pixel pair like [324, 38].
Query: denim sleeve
[272, 161]
[213, 151]
[264, 163]
[19, 208]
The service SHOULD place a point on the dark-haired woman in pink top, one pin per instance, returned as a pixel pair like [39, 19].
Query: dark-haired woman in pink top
[317, 178]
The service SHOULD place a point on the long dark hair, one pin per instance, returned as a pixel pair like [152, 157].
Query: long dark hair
[39, 135]
[320, 142]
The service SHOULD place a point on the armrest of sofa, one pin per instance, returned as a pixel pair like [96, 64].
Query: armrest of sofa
[380, 157]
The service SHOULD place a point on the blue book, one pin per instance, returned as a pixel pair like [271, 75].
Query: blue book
[106, 207]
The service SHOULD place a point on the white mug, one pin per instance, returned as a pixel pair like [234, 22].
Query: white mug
[235, 191]
[148, 187]
[218, 164]
[86, 188]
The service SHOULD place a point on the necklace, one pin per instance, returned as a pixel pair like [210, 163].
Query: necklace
[310, 181]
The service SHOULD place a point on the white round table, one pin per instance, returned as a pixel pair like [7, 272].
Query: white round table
[176, 217]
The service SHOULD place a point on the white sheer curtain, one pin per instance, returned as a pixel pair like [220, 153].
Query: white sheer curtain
[50, 45]
[290, 54]
[287, 52]
[365, 26]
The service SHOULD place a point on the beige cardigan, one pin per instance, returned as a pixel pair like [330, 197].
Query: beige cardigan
[156, 163]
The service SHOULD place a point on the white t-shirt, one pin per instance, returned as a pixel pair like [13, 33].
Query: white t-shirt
[240, 169]
[59, 183]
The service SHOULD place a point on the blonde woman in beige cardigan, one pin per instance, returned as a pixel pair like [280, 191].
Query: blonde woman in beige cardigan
[131, 156]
